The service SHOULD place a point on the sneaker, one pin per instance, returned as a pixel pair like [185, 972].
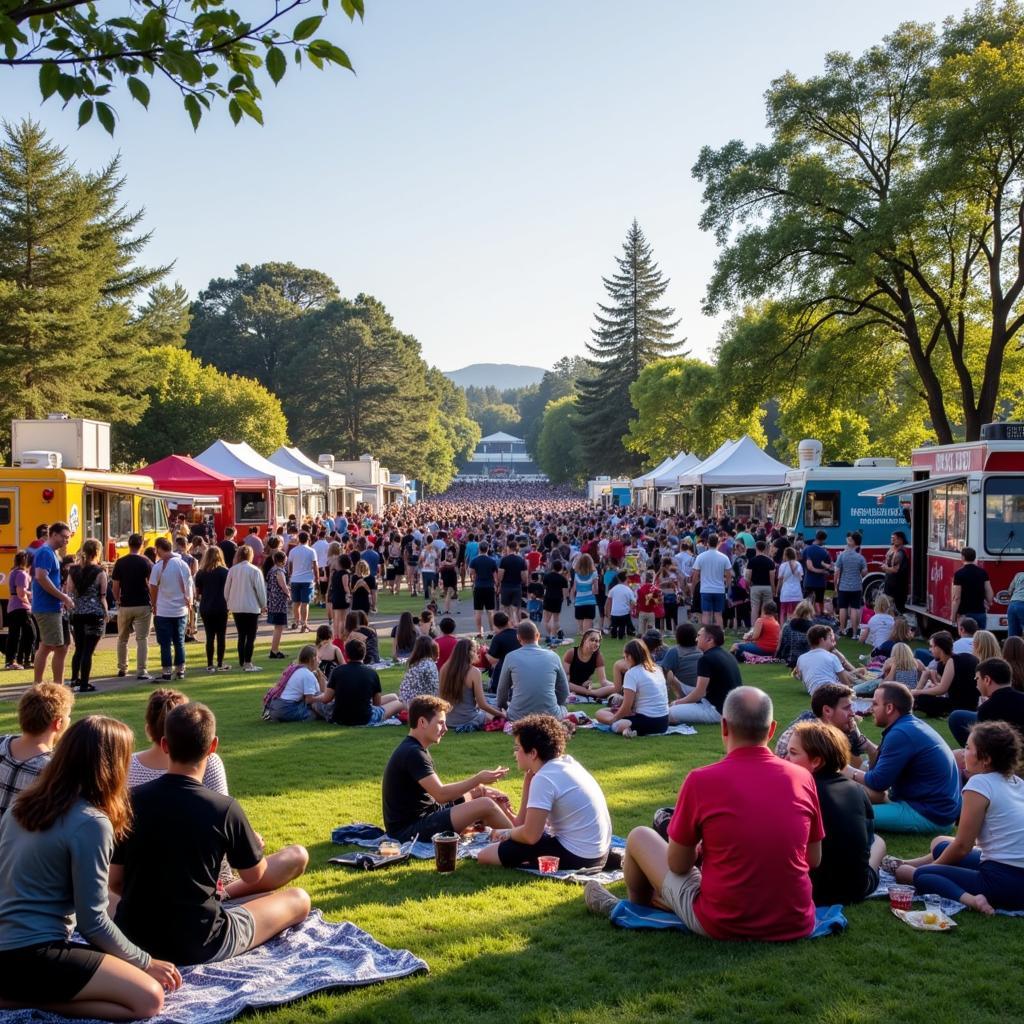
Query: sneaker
[561, 634]
[191, 639]
[87, 688]
[630, 734]
[121, 673]
[210, 668]
[294, 625]
[223, 668]
[180, 673]
[252, 668]
[143, 677]
[598, 899]
[165, 676]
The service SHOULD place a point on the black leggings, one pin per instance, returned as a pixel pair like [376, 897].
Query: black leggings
[86, 631]
[20, 637]
[216, 625]
[246, 623]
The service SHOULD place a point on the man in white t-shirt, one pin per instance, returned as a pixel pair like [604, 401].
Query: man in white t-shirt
[821, 664]
[621, 601]
[712, 571]
[321, 547]
[170, 593]
[302, 573]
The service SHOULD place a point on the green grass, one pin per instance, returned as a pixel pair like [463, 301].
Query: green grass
[506, 947]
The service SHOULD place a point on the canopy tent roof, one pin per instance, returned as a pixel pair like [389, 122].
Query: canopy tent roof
[647, 479]
[736, 462]
[182, 473]
[682, 463]
[295, 461]
[240, 460]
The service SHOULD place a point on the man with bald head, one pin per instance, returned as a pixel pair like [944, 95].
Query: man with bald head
[755, 821]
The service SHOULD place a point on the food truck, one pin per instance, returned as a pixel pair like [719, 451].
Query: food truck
[964, 495]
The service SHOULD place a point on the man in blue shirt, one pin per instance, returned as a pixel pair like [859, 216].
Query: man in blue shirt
[48, 600]
[816, 569]
[914, 782]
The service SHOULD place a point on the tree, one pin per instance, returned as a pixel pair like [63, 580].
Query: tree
[191, 406]
[68, 278]
[495, 417]
[631, 332]
[244, 324]
[453, 435]
[165, 316]
[890, 200]
[557, 382]
[558, 448]
[208, 50]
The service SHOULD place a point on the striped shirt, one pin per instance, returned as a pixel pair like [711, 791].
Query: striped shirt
[16, 775]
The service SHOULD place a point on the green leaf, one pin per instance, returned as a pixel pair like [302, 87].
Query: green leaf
[277, 64]
[307, 27]
[105, 115]
[326, 50]
[49, 76]
[249, 106]
[139, 90]
[194, 111]
[67, 86]
[84, 112]
[235, 111]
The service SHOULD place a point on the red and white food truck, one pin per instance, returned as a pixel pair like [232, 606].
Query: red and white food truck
[964, 495]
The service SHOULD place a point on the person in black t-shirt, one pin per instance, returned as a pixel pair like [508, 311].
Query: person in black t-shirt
[505, 641]
[353, 696]
[512, 577]
[228, 546]
[760, 574]
[482, 571]
[1000, 702]
[130, 582]
[416, 802]
[851, 853]
[166, 870]
[555, 585]
[972, 590]
[717, 673]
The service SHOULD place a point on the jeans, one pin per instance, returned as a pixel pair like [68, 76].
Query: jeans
[139, 618]
[20, 637]
[429, 583]
[897, 816]
[287, 710]
[1001, 884]
[960, 723]
[246, 623]
[749, 647]
[86, 630]
[170, 632]
[1015, 618]
[215, 623]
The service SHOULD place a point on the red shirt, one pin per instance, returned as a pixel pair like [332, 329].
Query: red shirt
[616, 550]
[649, 599]
[445, 645]
[533, 559]
[754, 814]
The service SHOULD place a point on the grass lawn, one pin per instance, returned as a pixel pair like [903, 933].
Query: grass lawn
[506, 947]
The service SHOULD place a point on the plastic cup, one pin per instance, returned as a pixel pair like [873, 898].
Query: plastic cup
[901, 897]
[389, 849]
[932, 909]
[547, 865]
[446, 851]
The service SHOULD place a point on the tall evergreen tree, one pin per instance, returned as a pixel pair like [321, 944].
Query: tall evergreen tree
[632, 331]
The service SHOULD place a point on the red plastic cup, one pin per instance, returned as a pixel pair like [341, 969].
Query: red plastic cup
[901, 897]
[547, 865]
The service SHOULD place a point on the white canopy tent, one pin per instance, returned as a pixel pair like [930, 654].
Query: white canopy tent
[334, 484]
[682, 463]
[647, 479]
[737, 462]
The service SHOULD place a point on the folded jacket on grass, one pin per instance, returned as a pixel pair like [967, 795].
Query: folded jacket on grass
[313, 956]
[827, 920]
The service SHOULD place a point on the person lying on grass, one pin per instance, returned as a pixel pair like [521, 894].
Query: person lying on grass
[644, 707]
[559, 795]
[165, 870]
[417, 802]
[756, 823]
[983, 865]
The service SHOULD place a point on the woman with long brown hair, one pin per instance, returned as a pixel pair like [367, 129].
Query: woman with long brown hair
[644, 707]
[87, 584]
[55, 844]
[213, 608]
[462, 686]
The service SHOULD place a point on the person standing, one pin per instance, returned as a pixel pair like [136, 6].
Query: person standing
[512, 578]
[897, 572]
[130, 579]
[712, 572]
[19, 607]
[87, 581]
[171, 597]
[972, 590]
[245, 593]
[210, 582]
[760, 574]
[302, 568]
[228, 547]
[816, 571]
[254, 542]
[48, 600]
[482, 572]
[851, 568]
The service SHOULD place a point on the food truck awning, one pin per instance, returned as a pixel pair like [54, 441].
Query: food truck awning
[748, 489]
[911, 486]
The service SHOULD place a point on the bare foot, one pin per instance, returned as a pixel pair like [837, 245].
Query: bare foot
[982, 905]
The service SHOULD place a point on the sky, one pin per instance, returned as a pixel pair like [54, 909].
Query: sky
[480, 170]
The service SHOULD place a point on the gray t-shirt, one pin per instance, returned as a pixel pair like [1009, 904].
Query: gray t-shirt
[849, 566]
[682, 663]
[56, 881]
[535, 680]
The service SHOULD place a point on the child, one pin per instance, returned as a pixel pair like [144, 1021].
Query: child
[621, 604]
[650, 609]
[328, 655]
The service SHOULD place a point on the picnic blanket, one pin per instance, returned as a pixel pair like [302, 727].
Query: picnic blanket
[828, 920]
[370, 836]
[313, 956]
[949, 907]
[673, 730]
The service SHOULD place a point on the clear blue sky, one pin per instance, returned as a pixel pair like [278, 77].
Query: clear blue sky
[479, 172]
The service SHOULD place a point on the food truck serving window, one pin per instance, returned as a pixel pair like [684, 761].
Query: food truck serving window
[948, 517]
[121, 517]
[789, 509]
[251, 506]
[822, 508]
[1004, 515]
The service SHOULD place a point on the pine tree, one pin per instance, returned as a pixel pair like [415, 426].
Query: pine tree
[67, 280]
[632, 331]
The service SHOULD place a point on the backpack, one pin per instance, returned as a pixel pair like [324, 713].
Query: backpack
[276, 690]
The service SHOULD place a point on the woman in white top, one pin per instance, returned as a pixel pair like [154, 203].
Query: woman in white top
[789, 584]
[879, 627]
[305, 686]
[564, 813]
[644, 707]
[245, 592]
[983, 865]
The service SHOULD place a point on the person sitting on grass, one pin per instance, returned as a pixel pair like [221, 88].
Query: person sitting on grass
[44, 713]
[328, 654]
[563, 812]
[644, 707]
[55, 847]
[353, 692]
[823, 663]
[717, 675]
[754, 820]
[165, 870]
[832, 703]
[1000, 702]
[305, 687]
[851, 853]
[900, 667]
[763, 639]
[950, 686]
[416, 802]
[421, 676]
[404, 636]
[793, 638]
[532, 681]
[357, 622]
[914, 782]
[680, 661]
[446, 641]
[983, 865]
[461, 685]
[584, 666]
[877, 630]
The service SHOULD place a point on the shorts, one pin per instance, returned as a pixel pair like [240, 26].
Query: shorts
[645, 725]
[512, 598]
[552, 607]
[815, 593]
[585, 611]
[50, 626]
[679, 893]
[301, 593]
[428, 826]
[712, 602]
[277, 618]
[59, 969]
[483, 599]
[239, 931]
[849, 599]
[513, 854]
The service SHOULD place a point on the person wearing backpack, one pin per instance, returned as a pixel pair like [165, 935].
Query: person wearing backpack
[299, 688]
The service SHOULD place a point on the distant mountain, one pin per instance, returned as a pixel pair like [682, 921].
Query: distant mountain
[501, 375]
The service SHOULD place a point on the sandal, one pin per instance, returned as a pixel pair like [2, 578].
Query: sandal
[890, 864]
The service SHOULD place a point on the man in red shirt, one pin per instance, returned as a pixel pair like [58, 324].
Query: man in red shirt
[754, 823]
